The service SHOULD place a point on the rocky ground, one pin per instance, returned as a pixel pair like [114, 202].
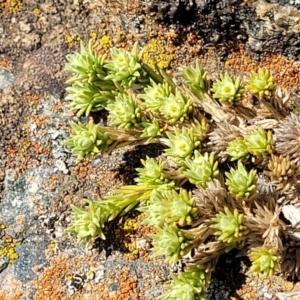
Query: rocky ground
[39, 178]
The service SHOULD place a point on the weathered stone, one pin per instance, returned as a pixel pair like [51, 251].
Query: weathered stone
[265, 26]
[25, 27]
[6, 78]
[31, 41]
[276, 30]
[288, 296]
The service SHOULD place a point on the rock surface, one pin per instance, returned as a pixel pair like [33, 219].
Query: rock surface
[265, 26]
[38, 176]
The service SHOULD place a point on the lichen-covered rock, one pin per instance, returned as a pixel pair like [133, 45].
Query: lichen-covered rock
[215, 21]
[265, 26]
[276, 30]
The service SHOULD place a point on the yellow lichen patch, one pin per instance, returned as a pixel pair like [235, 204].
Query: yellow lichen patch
[8, 249]
[130, 225]
[52, 245]
[130, 230]
[26, 145]
[106, 42]
[71, 40]
[36, 11]
[14, 6]
[93, 36]
[69, 277]
[89, 274]
[156, 53]
[133, 250]
[52, 249]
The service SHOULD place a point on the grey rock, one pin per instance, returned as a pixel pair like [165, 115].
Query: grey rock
[268, 295]
[48, 8]
[61, 166]
[34, 187]
[31, 41]
[6, 78]
[25, 27]
[288, 296]
[10, 176]
[4, 261]
[113, 287]
[30, 255]
[141, 244]
[292, 214]
[99, 274]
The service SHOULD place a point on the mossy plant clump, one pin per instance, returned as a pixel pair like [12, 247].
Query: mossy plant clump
[234, 154]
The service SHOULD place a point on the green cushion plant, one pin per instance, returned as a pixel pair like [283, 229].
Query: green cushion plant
[187, 285]
[238, 150]
[232, 197]
[171, 242]
[201, 169]
[261, 83]
[195, 78]
[229, 225]
[181, 144]
[124, 112]
[168, 207]
[126, 67]
[259, 142]
[88, 140]
[227, 89]
[264, 259]
[241, 183]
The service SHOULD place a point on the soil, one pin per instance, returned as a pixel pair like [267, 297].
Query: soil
[39, 178]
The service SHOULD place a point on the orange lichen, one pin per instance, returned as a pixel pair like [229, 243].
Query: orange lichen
[7, 64]
[285, 71]
[50, 283]
[31, 98]
[13, 6]
[12, 290]
[121, 277]
[19, 219]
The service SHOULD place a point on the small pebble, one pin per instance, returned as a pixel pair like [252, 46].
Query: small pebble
[61, 166]
[268, 295]
[99, 275]
[6, 78]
